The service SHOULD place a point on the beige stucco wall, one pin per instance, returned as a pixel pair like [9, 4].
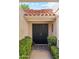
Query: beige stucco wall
[40, 18]
[55, 27]
[23, 25]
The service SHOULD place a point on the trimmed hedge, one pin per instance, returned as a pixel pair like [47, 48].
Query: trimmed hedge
[52, 40]
[25, 47]
[55, 52]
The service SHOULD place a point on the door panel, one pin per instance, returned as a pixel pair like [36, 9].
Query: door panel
[40, 33]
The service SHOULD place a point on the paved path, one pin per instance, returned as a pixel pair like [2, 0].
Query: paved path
[40, 52]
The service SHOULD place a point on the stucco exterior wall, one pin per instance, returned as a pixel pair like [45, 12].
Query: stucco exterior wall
[23, 25]
[55, 27]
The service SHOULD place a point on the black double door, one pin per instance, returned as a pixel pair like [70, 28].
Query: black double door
[40, 33]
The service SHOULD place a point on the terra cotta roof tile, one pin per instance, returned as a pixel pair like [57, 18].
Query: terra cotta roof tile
[42, 12]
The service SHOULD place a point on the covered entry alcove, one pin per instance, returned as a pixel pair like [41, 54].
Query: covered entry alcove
[40, 24]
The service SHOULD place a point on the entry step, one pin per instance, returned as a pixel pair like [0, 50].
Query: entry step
[40, 46]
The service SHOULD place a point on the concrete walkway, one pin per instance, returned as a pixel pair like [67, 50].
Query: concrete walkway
[40, 52]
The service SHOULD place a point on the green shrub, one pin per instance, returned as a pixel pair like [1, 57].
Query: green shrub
[52, 40]
[55, 52]
[25, 47]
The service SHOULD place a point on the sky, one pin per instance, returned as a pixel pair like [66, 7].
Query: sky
[42, 5]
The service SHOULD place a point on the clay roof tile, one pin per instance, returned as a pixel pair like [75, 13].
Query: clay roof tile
[43, 12]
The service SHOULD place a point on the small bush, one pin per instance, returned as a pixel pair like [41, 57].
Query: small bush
[55, 52]
[52, 40]
[25, 47]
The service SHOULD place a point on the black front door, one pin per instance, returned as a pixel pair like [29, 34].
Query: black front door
[40, 33]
